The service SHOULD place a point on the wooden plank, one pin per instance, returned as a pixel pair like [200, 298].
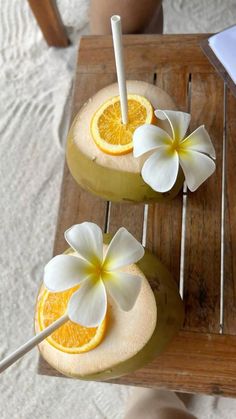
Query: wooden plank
[203, 220]
[48, 18]
[126, 215]
[165, 218]
[230, 219]
[143, 53]
[193, 362]
[86, 85]
[77, 205]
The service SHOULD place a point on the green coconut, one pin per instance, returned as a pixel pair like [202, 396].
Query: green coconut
[114, 178]
[170, 317]
[141, 334]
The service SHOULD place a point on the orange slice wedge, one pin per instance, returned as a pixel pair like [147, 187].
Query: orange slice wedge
[107, 130]
[70, 337]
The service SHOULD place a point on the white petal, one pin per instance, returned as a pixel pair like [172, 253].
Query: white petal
[88, 305]
[200, 141]
[197, 167]
[124, 288]
[161, 169]
[64, 272]
[179, 122]
[148, 137]
[87, 240]
[123, 250]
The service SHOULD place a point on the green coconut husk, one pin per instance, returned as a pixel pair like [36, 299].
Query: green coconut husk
[114, 178]
[170, 316]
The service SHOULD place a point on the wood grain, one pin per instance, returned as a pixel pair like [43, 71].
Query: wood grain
[77, 205]
[203, 220]
[230, 220]
[128, 216]
[165, 218]
[144, 53]
[48, 18]
[86, 85]
[193, 362]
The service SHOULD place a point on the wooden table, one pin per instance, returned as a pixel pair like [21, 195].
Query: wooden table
[195, 234]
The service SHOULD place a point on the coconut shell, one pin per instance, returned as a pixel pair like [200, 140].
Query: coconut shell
[133, 338]
[114, 178]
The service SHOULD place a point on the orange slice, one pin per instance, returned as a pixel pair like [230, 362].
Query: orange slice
[70, 337]
[107, 130]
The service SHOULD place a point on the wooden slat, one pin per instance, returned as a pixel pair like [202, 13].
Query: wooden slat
[130, 216]
[76, 205]
[193, 362]
[165, 218]
[86, 85]
[142, 53]
[203, 220]
[230, 219]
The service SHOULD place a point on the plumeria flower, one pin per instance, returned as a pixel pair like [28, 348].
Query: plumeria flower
[96, 273]
[194, 153]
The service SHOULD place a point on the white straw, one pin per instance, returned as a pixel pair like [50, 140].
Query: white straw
[22, 350]
[120, 69]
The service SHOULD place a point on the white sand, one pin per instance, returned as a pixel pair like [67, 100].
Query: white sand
[35, 84]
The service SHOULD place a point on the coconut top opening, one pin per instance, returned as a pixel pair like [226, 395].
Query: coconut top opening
[82, 136]
[127, 333]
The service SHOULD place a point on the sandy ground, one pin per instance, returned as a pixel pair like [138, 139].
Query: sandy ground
[35, 85]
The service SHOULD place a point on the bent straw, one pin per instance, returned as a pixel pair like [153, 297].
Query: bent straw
[120, 69]
[22, 350]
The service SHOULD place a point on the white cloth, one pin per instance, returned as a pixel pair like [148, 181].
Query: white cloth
[224, 46]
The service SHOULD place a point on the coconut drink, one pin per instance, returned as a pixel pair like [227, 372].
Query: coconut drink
[106, 307]
[121, 314]
[129, 143]
[99, 150]
[101, 159]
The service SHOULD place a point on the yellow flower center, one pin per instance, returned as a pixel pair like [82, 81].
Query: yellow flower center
[98, 271]
[178, 146]
[175, 146]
